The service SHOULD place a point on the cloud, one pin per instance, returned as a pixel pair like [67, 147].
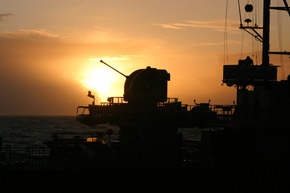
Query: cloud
[109, 58]
[32, 76]
[218, 25]
[170, 26]
[2, 15]
[229, 42]
[28, 34]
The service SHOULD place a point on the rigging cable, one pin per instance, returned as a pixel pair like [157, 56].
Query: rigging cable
[240, 13]
[279, 23]
[241, 25]
[253, 15]
[254, 42]
[226, 60]
[258, 43]
[258, 51]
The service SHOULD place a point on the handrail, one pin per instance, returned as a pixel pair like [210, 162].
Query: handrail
[82, 107]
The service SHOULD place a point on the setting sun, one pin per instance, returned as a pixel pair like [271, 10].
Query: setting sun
[99, 80]
[50, 61]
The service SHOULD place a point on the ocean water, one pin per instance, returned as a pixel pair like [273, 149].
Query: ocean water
[21, 132]
[36, 129]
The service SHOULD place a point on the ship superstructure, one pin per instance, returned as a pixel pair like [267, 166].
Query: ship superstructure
[231, 134]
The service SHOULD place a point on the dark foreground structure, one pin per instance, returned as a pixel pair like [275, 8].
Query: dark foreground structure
[252, 133]
[250, 137]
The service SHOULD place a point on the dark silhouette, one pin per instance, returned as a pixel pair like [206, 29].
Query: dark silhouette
[248, 135]
[91, 96]
[246, 62]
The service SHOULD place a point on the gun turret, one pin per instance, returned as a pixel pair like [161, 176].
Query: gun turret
[145, 85]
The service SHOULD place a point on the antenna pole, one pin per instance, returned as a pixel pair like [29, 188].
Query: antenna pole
[266, 29]
[113, 68]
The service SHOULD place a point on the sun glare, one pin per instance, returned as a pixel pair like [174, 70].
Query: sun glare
[99, 80]
[102, 80]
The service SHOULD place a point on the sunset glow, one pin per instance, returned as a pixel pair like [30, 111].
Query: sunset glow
[49, 61]
[99, 79]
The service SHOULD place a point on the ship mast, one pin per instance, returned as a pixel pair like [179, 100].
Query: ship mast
[266, 30]
[246, 76]
[265, 38]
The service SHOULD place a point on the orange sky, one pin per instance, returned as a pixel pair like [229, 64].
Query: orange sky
[50, 50]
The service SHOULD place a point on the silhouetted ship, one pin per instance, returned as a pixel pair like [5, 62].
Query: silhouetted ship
[251, 133]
